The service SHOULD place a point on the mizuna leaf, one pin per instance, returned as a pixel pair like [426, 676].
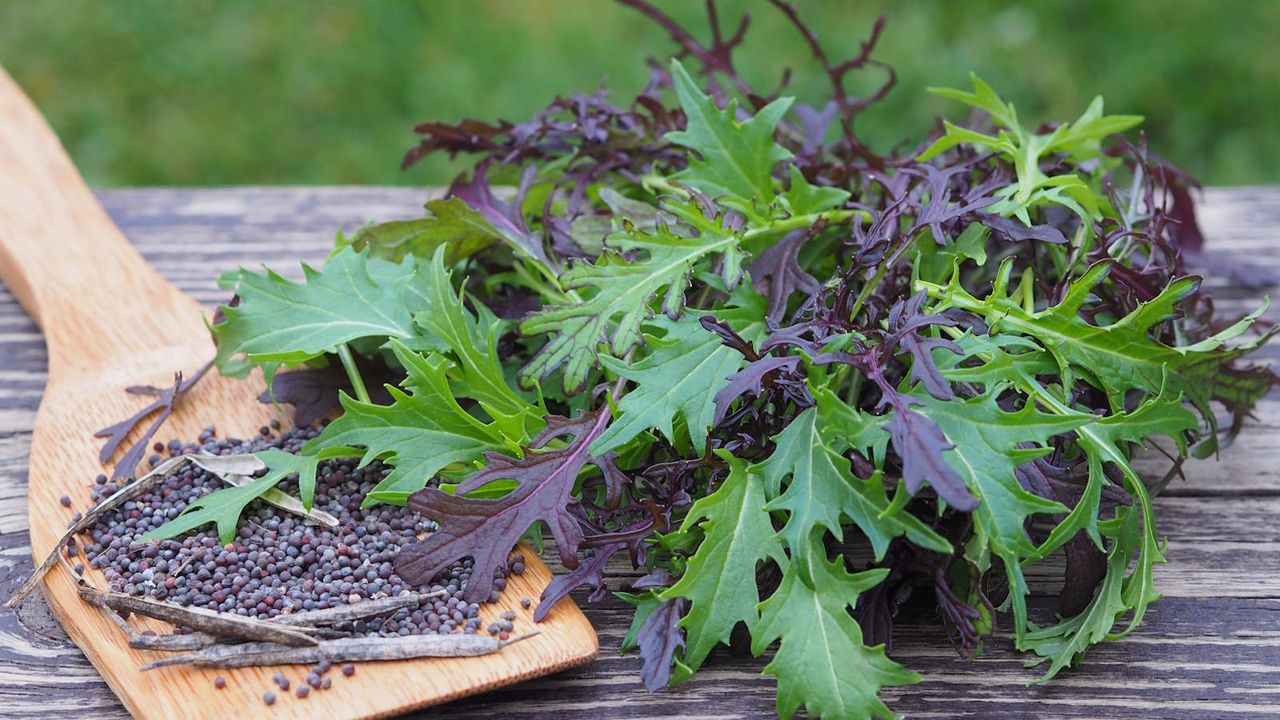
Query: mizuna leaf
[279, 321]
[472, 341]
[1117, 595]
[506, 218]
[682, 373]
[822, 491]
[450, 223]
[1119, 357]
[735, 160]
[990, 443]
[802, 198]
[719, 580]
[620, 292]
[821, 662]
[224, 507]
[487, 529]
[420, 433]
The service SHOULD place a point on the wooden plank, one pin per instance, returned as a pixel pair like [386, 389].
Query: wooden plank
[1208, 649]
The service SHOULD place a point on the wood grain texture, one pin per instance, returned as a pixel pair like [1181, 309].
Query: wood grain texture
[1209, 649]
[110, 321]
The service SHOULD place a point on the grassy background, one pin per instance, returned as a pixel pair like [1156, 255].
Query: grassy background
[153, 92]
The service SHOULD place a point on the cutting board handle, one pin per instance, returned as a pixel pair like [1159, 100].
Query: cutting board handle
[64, 259]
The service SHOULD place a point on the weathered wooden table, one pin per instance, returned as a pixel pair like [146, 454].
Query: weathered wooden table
[1209, 649]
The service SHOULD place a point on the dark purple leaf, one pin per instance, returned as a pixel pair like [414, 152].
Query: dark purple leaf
[920, 443]
[313, 392]
[1086, 565]
[589, 573]
[486, 530]
[752, 379]
[660, 638]
[776, 273]
[1012, 230]
[506, 217]
[905, 322]
[166, 401]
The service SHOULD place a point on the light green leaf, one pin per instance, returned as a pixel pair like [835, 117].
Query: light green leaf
[679, 378]
[450, 223]
[1080, 141]
[619, 295]
[990, 444]
[279, 321]
[1117, 595]
[822, 662]
[823, 491]
[1120, 357]
[735, 160]
[472, 340]
[720, 578]
[420, 433]
[224, 507]
[805, 199]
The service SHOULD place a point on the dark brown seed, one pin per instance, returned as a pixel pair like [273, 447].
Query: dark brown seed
[66, 501]
[326, 683]
[281, 680]
[302, 691]
[219, 682]
[348, 670]
[269, 698]
[525, 603]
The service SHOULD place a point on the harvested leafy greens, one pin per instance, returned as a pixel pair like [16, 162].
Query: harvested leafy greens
[789, 376]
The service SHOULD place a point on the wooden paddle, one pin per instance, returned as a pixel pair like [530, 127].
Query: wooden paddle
[111, 321]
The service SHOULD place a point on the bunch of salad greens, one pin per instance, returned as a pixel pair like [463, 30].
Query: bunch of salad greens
[791, 378]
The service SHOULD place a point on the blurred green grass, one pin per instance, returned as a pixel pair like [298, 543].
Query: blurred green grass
[154, 92]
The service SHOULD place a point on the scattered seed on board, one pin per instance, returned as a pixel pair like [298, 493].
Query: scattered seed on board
[219, 682]
[348, 670]
[66, 501]
[326, 683]
[313, 680]
[269, 698]
[281, 680]
[277, 564]
[508, 615]
[525, 603]
[302, 691]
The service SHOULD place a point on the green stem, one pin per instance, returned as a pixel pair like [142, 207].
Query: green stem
[353, 373]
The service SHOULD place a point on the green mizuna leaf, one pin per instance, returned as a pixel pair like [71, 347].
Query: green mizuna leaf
[823, 492]
[990, 443]
[224, 507]
[1117, 595]
[450, 223]
[619, 295]
[472, 341]
[279, 321]
[1080, 141]
[679, 378]
[719, 581]
[735, 160]
[802, 198]
[1119, 357]
[821, 662]
[420, 433]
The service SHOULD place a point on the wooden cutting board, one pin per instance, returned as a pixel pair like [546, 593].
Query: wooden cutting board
[111, 321]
